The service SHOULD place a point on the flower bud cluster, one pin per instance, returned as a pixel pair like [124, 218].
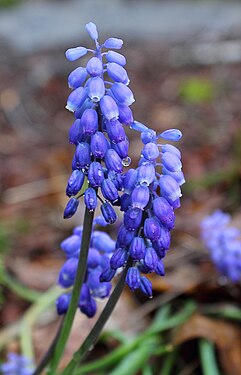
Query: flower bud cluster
[223, 243]
[148, 201]
[17, 364]
[101, 249]
[101, 109]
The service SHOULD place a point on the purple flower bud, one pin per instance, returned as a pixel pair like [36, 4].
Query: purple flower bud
[137, 248]
[133, 278]
[117, 73]
[117, 180]
[73, 54]
[68, 272]
[71, 246]
[113, 161]
[95, 174]
[171, 135]
[140, 197]
[133, 218]
[94, 67]
[76, 133]
[115, 131]
[150, 259]
[125, 114]
[171, 162]
[76, 99]
[90, 199]
[114, 43]
[175, 204]
[109, 213]
[178, 176]
[122, 93]
[125, 202]
[116, 57]
[163, 242]
[146, 286]
[71, 208]
[119, 258]
[130, 179]
[89, 121]
[102, 242]
[152, 229]
[91, 29]
[169, 188]
[62, 303]
[171, 148]
[88, 308]
[98, 145]
[146, 174]
[109, 107]
[82, 154]
[98, 289]
[94, 258]
[164, 212]
[150, 151]
[121, 148]
[139, 127]
[109, 190]
[96, 89]
[160, 269]
[124, 237]
[79, 111]
[107, 275]
[75, 183]
[148, 136]
[77, 77]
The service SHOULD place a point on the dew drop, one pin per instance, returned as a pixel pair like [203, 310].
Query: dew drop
[126, 161]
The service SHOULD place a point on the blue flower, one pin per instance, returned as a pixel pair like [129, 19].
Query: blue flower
[16, 365]
[223, 243]
[98, 263]
[100, 101]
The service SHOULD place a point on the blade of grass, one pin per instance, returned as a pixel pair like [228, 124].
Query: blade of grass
[208, 359]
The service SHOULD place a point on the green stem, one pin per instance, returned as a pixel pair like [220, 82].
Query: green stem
[157, 326]
[48, 355]
[169, 363]
[80, 274]
[21, 290]
[208, 360]
[96, 330]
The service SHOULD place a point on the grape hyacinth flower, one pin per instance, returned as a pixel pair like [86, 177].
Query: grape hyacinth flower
[100, 102]
[16, 365]
[100, 252]
[223, 243]
[149, 199]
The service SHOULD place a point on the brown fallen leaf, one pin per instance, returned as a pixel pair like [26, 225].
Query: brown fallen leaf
[226, 336]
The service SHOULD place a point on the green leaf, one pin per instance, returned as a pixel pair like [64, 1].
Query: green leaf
[208, 359]
[133, 362]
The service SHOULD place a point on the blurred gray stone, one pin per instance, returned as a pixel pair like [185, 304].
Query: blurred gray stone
[34, 26]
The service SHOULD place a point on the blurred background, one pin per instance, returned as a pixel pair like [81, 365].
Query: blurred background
[184, 63]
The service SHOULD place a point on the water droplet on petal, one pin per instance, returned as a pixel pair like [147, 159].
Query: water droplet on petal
[126, 161]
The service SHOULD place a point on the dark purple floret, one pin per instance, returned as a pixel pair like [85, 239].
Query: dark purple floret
[75, 183]
[82, 154]
[109, 190]
[109, 213]
[133, 218]
[76, 132]
[90, 199]
[95, 174]
[71, 208]
[146, 286]
[89, 122]
[98, 145]
[137, 248]
[113, 161]
[119, 258]
[62, 303]
[152, 229]
[133, 279]
[68, 272]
